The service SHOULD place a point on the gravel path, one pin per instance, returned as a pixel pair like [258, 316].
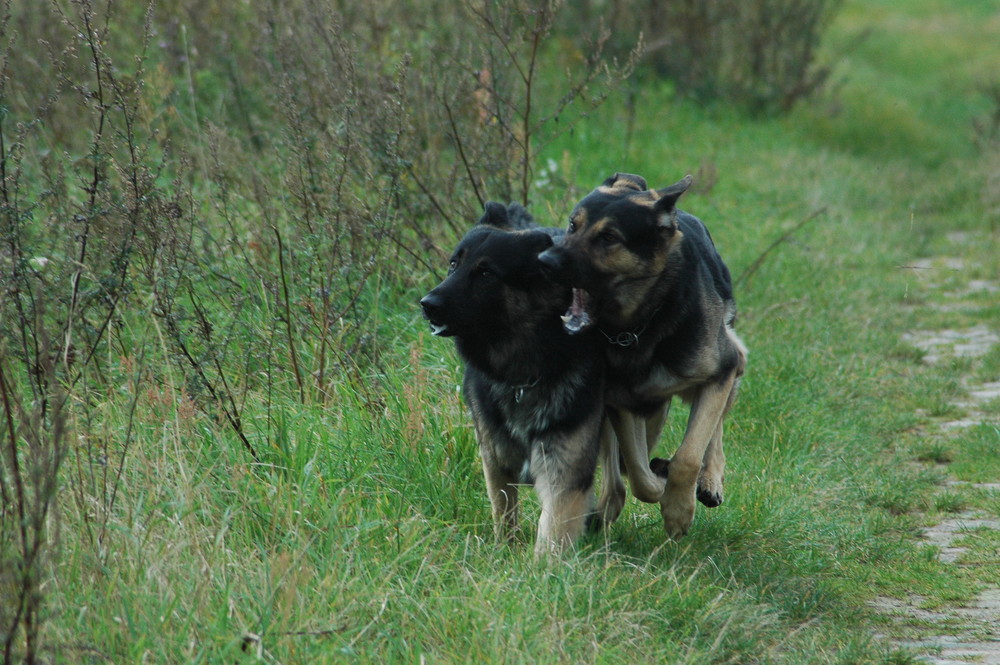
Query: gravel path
[969, 633]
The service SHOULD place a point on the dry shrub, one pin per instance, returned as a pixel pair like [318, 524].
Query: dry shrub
[80, 192]
[503, 86]
[33, 446]
[244, 187]
[760, 54]
[216, 214]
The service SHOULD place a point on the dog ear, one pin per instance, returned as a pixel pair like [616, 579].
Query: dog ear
[495, 214]
[626, 180]
[518, 217]
[666, 205]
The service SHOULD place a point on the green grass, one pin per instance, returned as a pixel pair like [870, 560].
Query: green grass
[364, 536]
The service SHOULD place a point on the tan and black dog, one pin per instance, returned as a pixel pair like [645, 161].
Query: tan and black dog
[648, 277]
[536, 392]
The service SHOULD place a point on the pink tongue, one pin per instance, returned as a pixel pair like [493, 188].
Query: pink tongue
[576, 317]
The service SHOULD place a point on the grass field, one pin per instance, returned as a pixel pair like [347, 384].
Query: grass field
[362, 533]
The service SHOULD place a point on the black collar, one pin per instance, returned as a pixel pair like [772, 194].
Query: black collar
[624, 339]
[519, 390]
[628, 338]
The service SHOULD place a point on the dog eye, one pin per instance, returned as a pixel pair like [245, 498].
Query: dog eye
[485, 273]
[572, 226]
[452, 266]
[608, 238]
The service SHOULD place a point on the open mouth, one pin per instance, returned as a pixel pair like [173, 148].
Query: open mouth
[438, 328]
[577, 318]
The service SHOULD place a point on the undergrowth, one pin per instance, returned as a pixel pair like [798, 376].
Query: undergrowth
[226, 436]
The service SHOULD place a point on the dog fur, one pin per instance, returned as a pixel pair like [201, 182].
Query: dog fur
[535, 391]
[648, 277]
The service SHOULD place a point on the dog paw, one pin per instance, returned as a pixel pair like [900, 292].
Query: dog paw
[677, 525]
[659, 466]
[709, 498]
[709, 492]
[677, 521]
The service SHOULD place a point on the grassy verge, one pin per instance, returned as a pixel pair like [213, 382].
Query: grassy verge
[363, 534]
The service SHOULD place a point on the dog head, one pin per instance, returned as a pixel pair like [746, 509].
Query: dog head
[618, 244]
[495, 282]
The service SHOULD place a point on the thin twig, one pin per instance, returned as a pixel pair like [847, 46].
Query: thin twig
[232, 418]
[457, 136]
[11, 449]
[91, 189]
[433, 199]
[759, 261]
[288, 316]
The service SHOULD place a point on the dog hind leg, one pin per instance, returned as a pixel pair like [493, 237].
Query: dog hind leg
[713, 470]
[654, 426]
[612, 499]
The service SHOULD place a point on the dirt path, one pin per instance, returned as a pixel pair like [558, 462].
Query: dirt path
[969, 633]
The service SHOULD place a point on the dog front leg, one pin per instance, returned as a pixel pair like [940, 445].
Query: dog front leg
[678, 500]
[631, 432]
[502, 491]
[564, 469]
[563, 518]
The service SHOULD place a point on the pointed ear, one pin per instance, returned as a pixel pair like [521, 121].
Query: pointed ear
[495, 214]
[626, 180]
[666, 205]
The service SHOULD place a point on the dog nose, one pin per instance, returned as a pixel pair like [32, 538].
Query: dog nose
[431, 304]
